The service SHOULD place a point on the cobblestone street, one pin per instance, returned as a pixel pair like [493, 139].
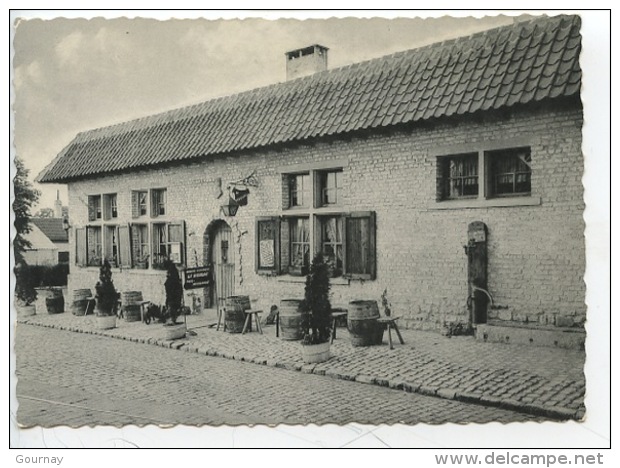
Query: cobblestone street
[76, 379]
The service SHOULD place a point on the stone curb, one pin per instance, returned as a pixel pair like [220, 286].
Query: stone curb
[559, 413]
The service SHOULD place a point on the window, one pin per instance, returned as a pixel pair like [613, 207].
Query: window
[268, 244]
[139, 203]
[484, 175]
[510, 172]
[330, 186]
[458, 176]
[94, 207]
[360, 247]
[331, 243]
[318, 224]
[140, 245]
[168, 241]
[111, 245]
[93, 246]
[110, 208]
[158, 202]
[299, 190]
[299, 261]
[63, 257]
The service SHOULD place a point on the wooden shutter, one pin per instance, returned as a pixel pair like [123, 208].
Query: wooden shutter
[153, 197]
[80, 247]
[176, 233]
[135, 204]
[267, 245]
[106, 208]
[124, 246]
[360, 245]
[285, 246]
[92, 212]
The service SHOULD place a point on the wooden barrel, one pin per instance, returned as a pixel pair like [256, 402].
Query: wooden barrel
[131, 302]
[290, 319]
[56, 303]
[235, 315]
[362, 323]
[80, 301]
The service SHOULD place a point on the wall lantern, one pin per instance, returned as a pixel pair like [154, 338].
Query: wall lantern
[65, 223]
[230, 209]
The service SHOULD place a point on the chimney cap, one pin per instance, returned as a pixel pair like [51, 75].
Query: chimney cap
[308, 50]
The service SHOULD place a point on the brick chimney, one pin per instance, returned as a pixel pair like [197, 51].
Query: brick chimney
[306, 61]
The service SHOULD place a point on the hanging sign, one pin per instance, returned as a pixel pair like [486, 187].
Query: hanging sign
[197, 277]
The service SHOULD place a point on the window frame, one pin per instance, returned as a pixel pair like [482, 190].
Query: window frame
[276, 226]
[159, 199]
[98, 245]
[486, 196]
[156, 244]
[316, 214]
[493, 157]
[110, 244]
[95, 210]
[306, 192]
[304, 269]
[110, 206]
[322, 180]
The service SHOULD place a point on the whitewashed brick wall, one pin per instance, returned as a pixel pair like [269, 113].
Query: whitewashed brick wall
[536, 253]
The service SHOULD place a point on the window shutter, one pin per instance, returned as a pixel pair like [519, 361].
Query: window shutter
[124, 246]
[285, 246]
[92, 212]
[267, 248]
[135, 204]
[80, 247]
[360, 245]
[107, 208]
[176, 234]
[153, 197]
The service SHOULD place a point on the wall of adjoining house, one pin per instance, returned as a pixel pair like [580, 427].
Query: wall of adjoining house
[536, 253]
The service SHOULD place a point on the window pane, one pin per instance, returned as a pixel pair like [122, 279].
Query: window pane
[510, 171]
[460, 176]
[300, 189]
[142, 202]
[330, 187]
[300, 244]
[93, 241]
[331, 243]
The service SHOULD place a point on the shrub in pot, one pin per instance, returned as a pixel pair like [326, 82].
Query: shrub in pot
[174, 303]
[316, 317]
[106, 297]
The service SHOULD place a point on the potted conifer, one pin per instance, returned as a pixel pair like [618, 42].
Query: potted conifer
[106, 297]
[316, 317]
[174, 303]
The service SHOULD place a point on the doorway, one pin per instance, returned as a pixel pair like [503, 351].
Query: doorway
[221, 257]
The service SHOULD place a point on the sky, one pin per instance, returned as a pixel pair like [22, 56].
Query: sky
[72, 75]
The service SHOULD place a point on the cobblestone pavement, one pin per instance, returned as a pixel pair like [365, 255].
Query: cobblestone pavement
[535, 380]
[76, 379]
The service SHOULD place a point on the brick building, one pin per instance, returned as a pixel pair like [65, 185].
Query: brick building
[397, 168]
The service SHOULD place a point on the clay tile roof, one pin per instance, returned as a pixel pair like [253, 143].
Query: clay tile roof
[516, 64]
[52, 228]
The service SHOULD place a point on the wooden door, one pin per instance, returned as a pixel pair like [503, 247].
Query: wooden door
[223, 258]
